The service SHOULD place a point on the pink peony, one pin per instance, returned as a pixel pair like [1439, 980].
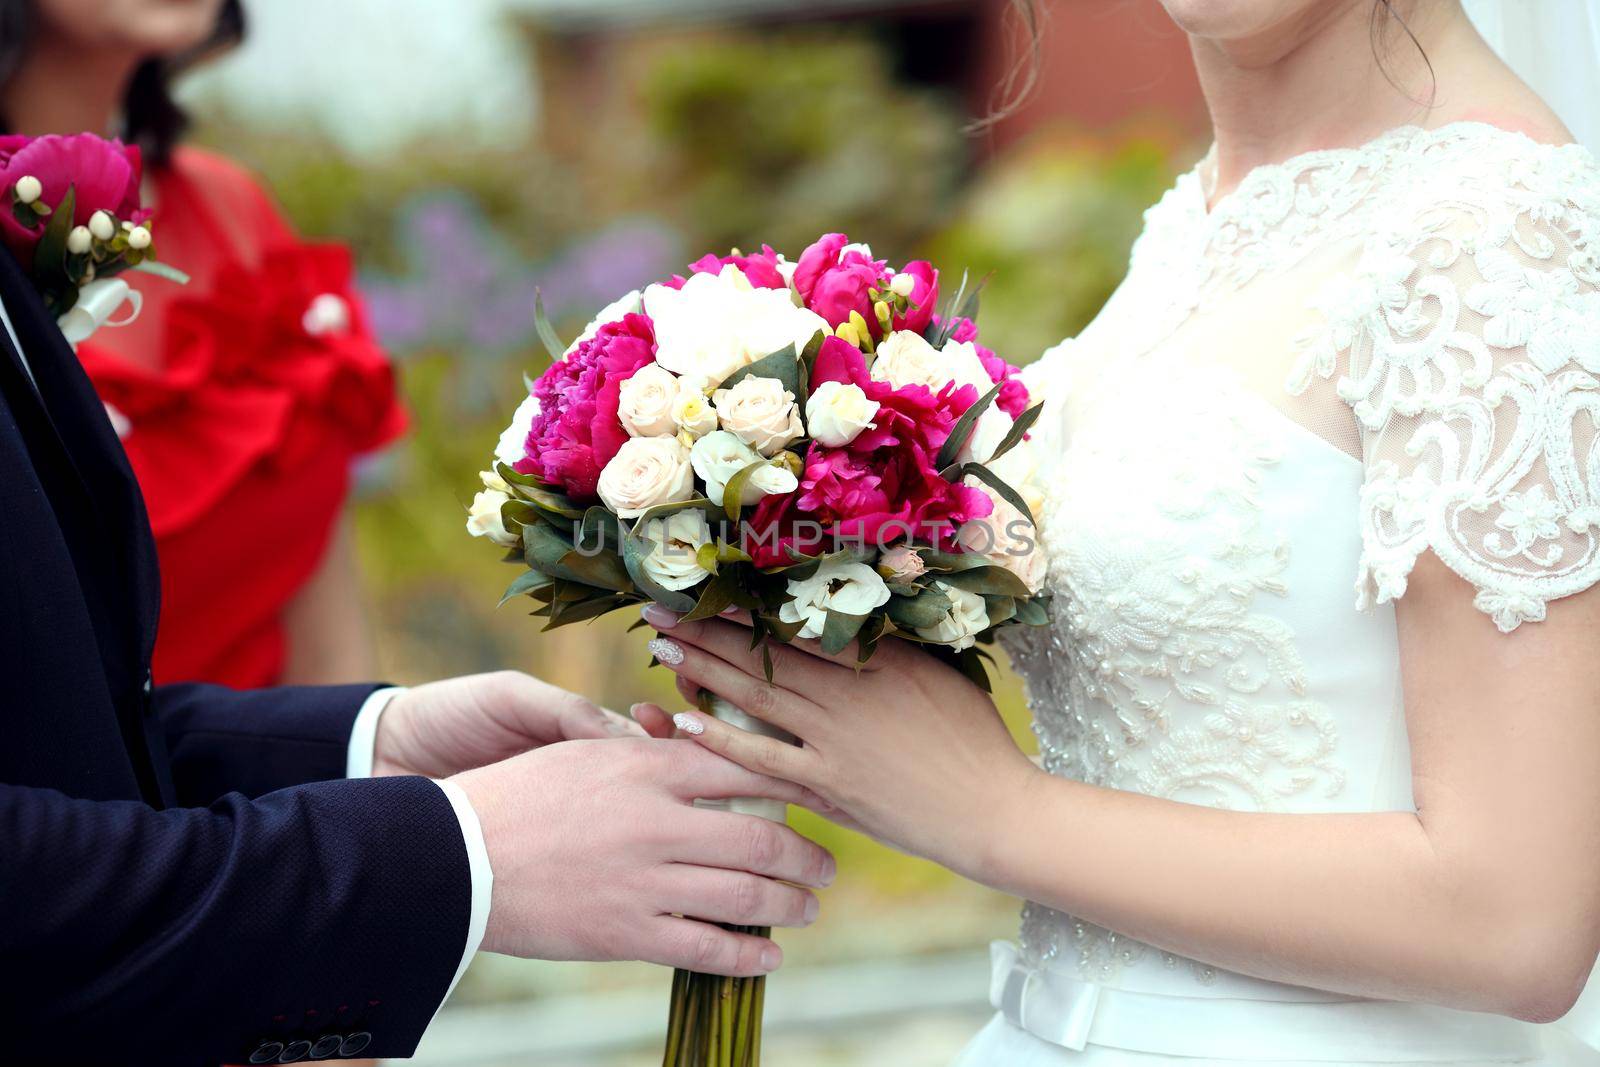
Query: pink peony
[923, 298]
[834, 282]
[1013, 398]
[760, 269]
[884, 485]
[577, 430]
[104, 176]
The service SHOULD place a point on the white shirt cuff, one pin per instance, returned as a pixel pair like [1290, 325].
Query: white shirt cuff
[358, 764]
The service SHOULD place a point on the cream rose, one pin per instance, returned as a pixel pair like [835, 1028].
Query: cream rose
[645, 472]
[484, 520]
[849, 588]
[837, 412]
[674, 562]
[691, 409]
[991, 429]
[644, 402]
[906, 358]
[718, 323]
[513, 444]
[968, 617]
[1019, 468]
[1006, 538]
[760, 412]
[720, 455]
[901, 564]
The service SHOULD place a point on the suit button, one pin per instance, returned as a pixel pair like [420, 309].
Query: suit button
[267, 1053]
[296, 1050]
[353, 1044]
[325, 1047]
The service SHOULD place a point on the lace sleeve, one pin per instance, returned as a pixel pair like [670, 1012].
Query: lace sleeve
[1467, 344]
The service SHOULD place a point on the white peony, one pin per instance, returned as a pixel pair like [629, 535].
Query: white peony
[718, 323]
[483, 519]
[906, 358]
[673, 563]
[616, 311]
[1006, 538]
[644, 402]
[513, 446]
[968, 617]
[849, 588]
[645, 472]
[720, 455]
[760, 412]
[837, 412]
[691, 409]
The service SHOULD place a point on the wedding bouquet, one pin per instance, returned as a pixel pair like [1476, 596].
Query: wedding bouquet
[811, 442]
[74, 221]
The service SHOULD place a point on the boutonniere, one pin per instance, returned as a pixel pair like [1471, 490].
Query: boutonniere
[75, 222]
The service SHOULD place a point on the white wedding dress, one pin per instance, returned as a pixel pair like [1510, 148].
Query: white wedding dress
[1358, 356]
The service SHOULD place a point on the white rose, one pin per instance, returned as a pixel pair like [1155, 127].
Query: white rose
[513, 445]
[691, 409]
[1019, 468]
[1007, 539]
[906, 358]
[491, 480]
[718, 323]
[760, 412]
[644, 402]
[483, 520]
[614, 312]
[850, 588]
[673, 563]
[968, 617]
[720, 455]
[837, 412]
[646, 471]
[991, 429]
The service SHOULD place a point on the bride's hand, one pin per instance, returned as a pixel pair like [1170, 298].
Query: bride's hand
[906, 748]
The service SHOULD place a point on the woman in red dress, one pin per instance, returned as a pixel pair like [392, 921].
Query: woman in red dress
[242, 398]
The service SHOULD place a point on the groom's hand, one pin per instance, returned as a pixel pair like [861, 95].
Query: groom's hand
[447, 727]
[597, 850]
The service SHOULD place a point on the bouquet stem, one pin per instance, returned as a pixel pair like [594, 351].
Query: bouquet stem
[715, 1021]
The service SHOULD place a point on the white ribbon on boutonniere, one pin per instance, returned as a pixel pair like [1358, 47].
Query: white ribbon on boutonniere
[97, 302]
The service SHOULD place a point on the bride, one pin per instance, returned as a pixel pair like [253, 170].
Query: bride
[1320, 705]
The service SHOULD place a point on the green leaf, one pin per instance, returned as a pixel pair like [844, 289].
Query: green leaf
[161, 270]
[962, 430]
[547, 333]
[26, 217]
[1032, 612]
[526, 582]
[733, 491]
[968, 308]
[1000, 608]
[944, 563]
[938, 335]
[995, 482]
[635, 548]
[970, 663]
[926, 609]
[783, 365]
[599, 530]
[583, 610]
[706, 557]
[550, 552]
[990, 581]
[867, 640]
[839, 630]
[50, 254]
[715, 598]
[1013, 437]
[712, 511]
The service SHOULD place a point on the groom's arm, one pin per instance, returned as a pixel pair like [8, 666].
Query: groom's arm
[256, 741]
[334, 912]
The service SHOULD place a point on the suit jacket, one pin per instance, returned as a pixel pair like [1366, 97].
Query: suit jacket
[183, 878]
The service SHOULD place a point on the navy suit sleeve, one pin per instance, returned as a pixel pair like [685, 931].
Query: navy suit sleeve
[333, 913]
[257, 740]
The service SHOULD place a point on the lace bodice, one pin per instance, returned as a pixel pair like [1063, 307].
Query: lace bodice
[1356, 357]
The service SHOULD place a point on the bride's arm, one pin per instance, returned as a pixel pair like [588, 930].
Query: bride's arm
[1486, 898]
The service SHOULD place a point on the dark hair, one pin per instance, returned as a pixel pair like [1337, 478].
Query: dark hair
[151, 118]
[1023, 76]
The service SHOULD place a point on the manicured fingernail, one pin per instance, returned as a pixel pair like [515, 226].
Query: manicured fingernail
[668, 652]
[730, 611]
[830, 870]
[812, 907]
[771, 958]
[689, 724]
[659, 617]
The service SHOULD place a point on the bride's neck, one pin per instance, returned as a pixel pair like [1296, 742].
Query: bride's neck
[65, 88]
[1317, 81]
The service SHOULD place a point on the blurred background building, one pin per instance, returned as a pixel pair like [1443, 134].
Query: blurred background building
[477, 151]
